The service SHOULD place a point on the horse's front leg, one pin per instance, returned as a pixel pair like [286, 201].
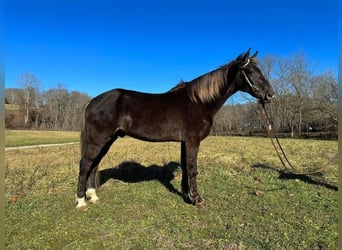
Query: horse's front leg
[185, 179]
[191, 164]
[91, 186]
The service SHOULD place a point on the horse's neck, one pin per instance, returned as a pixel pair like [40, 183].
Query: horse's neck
[219, 101]
[228, 90]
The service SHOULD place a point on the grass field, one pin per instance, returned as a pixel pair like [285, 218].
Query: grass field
[248, 205]
[16, 138]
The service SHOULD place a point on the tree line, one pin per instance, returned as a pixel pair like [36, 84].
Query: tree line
[54, 109]
[305, 103]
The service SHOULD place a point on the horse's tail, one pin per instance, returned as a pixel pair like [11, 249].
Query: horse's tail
[83, 136]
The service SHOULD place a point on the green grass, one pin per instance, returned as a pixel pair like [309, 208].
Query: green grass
[16, 138]
[247, 205]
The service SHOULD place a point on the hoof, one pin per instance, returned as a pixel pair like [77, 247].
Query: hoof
[196, 201]
[187, 199]
[91, 195]
[81, 202]
[94, 199]
[199, 203]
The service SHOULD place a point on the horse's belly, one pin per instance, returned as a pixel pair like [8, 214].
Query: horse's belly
[156, 132]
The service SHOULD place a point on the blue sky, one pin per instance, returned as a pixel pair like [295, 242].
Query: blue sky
[93, 46]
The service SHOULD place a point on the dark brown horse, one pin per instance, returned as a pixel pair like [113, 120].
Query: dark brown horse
[183, 114]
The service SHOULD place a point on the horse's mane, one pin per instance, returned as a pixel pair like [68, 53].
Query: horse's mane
[207, 87]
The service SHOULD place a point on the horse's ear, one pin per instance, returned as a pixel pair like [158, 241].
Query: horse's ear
[255, 54]
[245, 58]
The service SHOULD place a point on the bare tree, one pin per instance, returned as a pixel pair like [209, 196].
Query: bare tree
[299, 79]
[267, 65]
[74, 109]
[293, 87]
[14, 96]
[30, 85]
[325, 99]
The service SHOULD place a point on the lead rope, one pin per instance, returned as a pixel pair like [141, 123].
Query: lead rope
[270, 130]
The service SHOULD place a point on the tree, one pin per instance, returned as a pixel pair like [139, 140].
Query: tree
[325, 99]
[267, 65]
[14, 96]
[30, 85]
[74, 109]
[293, 86]
[63, 110]
[56, 100]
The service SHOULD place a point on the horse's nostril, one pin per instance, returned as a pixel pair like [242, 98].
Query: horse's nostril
[269, 96]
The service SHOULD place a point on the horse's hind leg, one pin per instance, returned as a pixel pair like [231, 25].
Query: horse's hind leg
[91, 181]
[86, 163]
[88, 166]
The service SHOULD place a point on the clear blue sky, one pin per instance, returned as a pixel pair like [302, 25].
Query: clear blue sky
[93, 46]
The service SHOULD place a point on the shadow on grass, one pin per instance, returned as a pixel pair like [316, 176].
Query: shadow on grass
[133, 172]
[283, 175]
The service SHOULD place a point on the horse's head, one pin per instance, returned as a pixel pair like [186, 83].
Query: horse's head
[251, 80]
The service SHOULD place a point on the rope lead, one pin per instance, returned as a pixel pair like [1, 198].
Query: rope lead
[281, 155]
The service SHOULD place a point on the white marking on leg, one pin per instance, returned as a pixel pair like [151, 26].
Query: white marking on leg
[80, 202]
[91, 192]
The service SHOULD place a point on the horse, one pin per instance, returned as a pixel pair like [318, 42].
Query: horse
[183, 114]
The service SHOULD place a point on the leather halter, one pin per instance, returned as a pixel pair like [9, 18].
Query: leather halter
[245, 75]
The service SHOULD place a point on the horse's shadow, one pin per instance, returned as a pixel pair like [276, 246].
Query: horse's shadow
[283, 175]
[133, 172]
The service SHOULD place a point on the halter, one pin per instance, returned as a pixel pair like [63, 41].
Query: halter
[247, 80]
[245, 65]
[244, 73]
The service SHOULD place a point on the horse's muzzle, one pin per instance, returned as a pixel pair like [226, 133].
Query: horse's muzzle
[269, 96]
